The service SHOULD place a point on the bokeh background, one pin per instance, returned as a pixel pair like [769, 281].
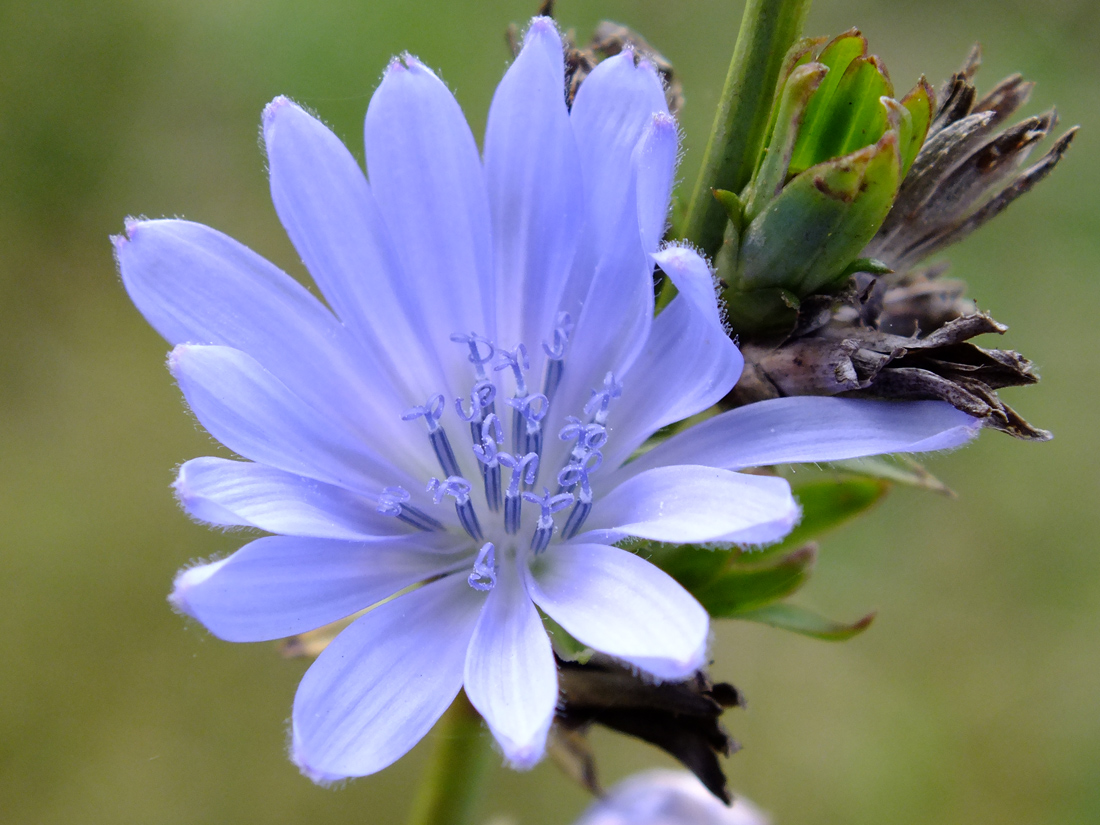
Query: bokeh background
[974, 697]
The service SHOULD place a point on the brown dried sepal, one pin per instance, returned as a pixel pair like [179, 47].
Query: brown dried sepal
[608, 40]
[849, 359]
[681, 718]
[965, 173]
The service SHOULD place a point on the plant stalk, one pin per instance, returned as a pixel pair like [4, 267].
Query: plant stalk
[768, 29]
[450, 790]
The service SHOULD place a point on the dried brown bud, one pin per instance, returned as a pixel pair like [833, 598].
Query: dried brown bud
[678, 717]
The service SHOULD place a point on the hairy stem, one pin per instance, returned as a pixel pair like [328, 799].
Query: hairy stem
[768, 29]
[451, 787]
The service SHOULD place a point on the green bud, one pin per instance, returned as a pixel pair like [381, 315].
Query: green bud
[806, 237]
[837, 147]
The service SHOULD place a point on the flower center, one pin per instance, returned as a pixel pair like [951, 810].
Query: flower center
[523, 461]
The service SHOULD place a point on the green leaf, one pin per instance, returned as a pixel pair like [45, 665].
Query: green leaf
[740, 587]
[806, 622]
[826, 505]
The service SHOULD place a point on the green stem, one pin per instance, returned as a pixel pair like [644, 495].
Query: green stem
[768, 29]
[450, 790]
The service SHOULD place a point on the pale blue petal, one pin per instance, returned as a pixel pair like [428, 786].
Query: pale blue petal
[244, 494]
[382, 683]
[254, 414]
[691, 504]
[610, 291]
[511, 677]
[613, 109]
[426, 175]
[282, 585]
[621, 605]
[810, 428]
[198, 286]
[655, 158]
[612, 328]
[532, 170]
[664, 797]
[688, 365]
[324, 202]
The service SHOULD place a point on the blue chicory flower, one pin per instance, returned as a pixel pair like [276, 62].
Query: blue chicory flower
[662, 797]
[457, 429]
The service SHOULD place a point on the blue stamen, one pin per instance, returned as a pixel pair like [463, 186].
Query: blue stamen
[544, 529]
[432, 412]
[491, 435]
[484, 575]
[473, 341]
[600, 402]
[393, 502]
[481, 404]
[517, 361]
[533, 409]
[512, 500]
[577, 475]
[459, 489]
[555, 354]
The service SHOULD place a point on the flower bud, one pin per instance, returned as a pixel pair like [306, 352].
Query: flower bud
[668, 798]
[838, 146]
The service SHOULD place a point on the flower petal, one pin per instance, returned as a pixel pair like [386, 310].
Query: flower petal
[688, 365]
[610, 290]
[254, 414]
[809, 428]
[621, 605]
[198, 286]
[691, 504]
[511, 677]
[532, 171]
[329, 212]
[425, 172]
[655, 158]
[382, 683]
[245, 494]
[280, 585]
[614, 107]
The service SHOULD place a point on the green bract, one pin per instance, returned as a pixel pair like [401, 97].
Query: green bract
[837, 149]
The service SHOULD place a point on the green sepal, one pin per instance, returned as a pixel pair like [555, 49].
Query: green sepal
[742, 586]
[802, 52]
[694, 566]
[920, 103]
[872, 266]
[837, 56]
[821, 220]
[565, 645]
[732, 204]
[826, 505]
[806, 622]
[900, 468]
[856, 116]
[770, 311]
[771, 174]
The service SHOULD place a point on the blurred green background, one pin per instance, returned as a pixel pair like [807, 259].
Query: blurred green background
[973, 698]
